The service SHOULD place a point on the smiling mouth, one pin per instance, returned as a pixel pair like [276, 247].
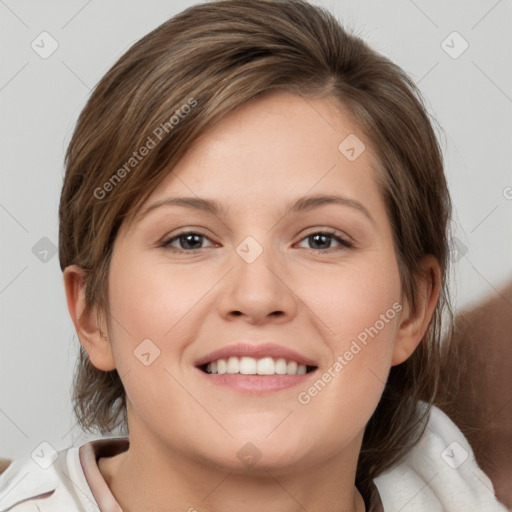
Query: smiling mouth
[251, 366]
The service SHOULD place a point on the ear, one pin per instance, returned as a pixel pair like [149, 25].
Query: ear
[414, 324]
[90, 326]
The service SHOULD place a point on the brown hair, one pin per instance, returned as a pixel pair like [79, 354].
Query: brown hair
[216, 56]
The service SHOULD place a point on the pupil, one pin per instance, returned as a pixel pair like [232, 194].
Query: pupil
[187, 241]
[321, 238]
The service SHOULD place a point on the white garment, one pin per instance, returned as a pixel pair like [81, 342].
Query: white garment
[439, 474]
[62, 487]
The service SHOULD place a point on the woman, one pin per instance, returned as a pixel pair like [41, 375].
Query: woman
[254, 248]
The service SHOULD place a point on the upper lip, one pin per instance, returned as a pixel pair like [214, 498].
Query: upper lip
[257, 352]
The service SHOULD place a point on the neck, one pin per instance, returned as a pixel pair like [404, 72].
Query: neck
[149, 477]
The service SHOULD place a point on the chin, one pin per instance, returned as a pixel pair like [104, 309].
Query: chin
[260, 453]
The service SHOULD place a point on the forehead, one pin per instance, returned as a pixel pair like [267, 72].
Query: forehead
[272, 149]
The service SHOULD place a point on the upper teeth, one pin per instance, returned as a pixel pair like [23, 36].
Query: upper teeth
[251, 366]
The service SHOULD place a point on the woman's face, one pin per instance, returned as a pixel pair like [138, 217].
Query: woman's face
[295, 262]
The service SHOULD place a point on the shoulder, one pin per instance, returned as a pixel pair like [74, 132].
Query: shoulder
[439, 473]
[47, 479]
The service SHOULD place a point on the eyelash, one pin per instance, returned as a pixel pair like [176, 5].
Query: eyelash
[345, 244]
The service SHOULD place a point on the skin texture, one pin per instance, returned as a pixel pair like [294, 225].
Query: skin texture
[185, 433]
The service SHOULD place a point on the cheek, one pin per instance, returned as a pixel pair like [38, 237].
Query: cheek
[368, 315]
[361, 307]
[150, 298]
[359, 301]
[156, 310]
[154, 317]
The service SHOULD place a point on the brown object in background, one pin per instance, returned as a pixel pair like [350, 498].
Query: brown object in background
[4, 464]
[477, 394]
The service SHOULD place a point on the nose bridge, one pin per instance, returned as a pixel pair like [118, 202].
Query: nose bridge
[256, 288]
[255, 265]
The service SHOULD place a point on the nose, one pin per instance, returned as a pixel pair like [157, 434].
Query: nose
[260, 291]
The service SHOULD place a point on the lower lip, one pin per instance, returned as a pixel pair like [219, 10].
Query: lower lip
[257, 383]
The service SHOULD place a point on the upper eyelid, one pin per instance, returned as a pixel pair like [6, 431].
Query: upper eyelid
[330, 231]
[168, 239]
[344, 239]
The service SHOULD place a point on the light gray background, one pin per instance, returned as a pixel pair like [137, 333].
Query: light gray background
[471, 96]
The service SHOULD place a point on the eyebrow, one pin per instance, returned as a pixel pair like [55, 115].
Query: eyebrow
[301, 205]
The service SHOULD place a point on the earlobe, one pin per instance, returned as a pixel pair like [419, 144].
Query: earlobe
[89, 324]
[414, 323]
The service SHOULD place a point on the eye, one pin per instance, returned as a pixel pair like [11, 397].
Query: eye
[187, 241]
[322, 240]
[190, 241]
